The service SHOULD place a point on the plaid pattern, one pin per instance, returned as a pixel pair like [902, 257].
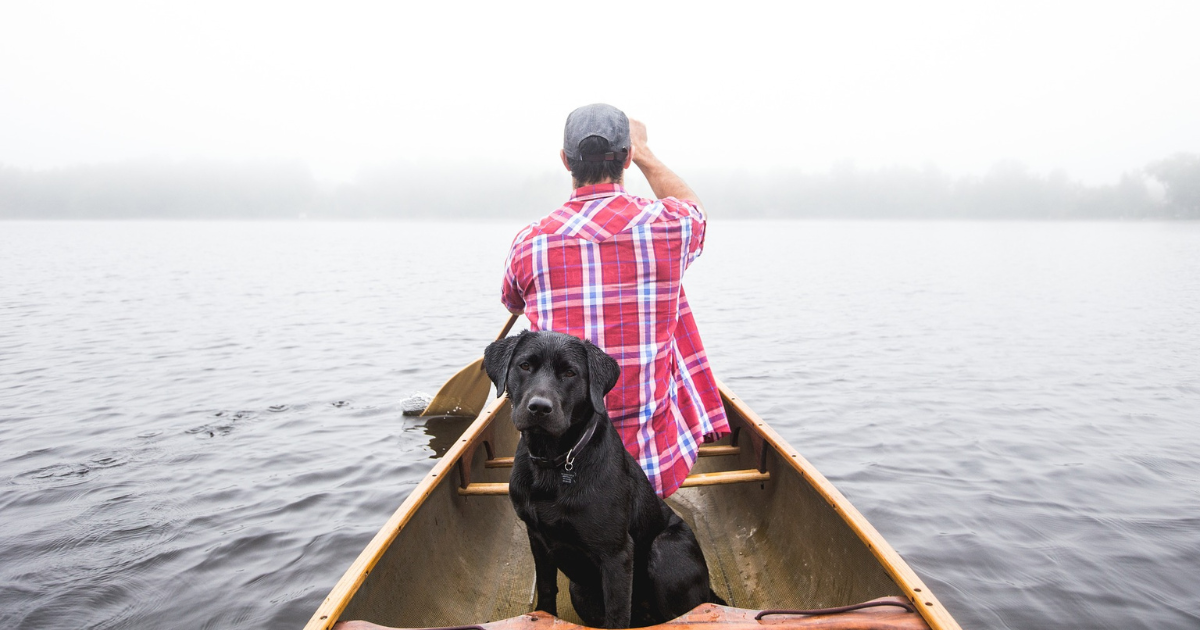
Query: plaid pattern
[607, 267]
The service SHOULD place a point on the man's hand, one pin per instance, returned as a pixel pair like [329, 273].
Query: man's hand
[637, 138]
[662, 180]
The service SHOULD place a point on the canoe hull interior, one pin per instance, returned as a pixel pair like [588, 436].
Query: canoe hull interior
[458, 559]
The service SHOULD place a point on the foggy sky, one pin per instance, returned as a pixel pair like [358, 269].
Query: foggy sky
[1093, 88]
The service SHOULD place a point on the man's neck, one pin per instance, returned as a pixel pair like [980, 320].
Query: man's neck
[606, 182]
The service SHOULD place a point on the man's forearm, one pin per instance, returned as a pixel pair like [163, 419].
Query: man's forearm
[663, 181]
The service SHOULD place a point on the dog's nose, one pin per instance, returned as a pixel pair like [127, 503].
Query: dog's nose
[539, 406]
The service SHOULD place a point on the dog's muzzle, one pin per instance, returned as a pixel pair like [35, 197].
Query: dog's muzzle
[540, 413]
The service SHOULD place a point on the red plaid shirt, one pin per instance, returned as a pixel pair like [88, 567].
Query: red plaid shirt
[607, 267]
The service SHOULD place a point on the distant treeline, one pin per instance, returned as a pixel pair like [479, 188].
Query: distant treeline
[1165, 189]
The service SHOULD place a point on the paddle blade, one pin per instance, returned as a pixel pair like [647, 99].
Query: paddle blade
[463, 395]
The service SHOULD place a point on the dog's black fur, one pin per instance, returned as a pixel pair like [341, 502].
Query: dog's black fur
[630, 559]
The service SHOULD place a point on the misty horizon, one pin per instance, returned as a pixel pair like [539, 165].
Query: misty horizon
[1094, 89]
[262, 189]
[924, 109]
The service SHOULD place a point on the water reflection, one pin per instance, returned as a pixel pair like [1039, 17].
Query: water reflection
[444, 431]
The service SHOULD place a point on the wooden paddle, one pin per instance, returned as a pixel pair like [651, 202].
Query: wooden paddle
[466, 392]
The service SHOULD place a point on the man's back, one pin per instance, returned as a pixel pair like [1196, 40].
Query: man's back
[607, 266]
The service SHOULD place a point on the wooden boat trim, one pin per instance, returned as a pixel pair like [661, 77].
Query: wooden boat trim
[484, 490]
[337, 600]
[725, 477]
[914, 589]
[719, 451]
[691, 481]
[705, 451]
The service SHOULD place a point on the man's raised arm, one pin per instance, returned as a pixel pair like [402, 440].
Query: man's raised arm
[663, 181]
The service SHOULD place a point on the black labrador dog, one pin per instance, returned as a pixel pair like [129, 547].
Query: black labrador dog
[588, 507]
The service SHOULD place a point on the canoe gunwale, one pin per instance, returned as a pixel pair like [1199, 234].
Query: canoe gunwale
[914, 589]
[332, 606]
[762, 438]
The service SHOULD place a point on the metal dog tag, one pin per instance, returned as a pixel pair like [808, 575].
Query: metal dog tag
[568, 477]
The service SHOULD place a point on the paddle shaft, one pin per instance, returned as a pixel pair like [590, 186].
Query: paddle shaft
[512, 319]
[465, 393]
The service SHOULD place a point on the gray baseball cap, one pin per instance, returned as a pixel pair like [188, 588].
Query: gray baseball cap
[604, 121]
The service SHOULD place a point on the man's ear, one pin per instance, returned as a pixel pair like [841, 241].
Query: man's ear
[562, 153]
[629, 157]
[603, 373]
[498, 357]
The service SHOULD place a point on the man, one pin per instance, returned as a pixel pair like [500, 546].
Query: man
[607, 267]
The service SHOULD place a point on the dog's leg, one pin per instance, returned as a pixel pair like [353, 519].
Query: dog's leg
[546, 574]
[588, 602]
[677, 571]
[616, 572]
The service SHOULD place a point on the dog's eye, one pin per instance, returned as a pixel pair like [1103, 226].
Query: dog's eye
[568, 373]
[524, 365]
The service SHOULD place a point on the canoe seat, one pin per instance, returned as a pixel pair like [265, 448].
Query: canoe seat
[705, 451]
[698, 479]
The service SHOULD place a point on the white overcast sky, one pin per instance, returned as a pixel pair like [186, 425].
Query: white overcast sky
[1094, 88]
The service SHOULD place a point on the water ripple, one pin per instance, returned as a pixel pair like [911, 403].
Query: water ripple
[214, 429]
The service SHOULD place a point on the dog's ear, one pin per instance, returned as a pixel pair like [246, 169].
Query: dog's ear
[603, 373]
[498, 357]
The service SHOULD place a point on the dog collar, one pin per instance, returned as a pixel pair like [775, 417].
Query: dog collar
[566, 460]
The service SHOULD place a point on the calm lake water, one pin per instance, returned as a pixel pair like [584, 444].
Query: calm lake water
[200, 423]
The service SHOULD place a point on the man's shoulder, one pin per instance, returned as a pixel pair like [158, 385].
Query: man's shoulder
[628, 210]
[524, 234]
[645, 202]
[547, 224]
[578, 219]
[684, 208]
[550, 225]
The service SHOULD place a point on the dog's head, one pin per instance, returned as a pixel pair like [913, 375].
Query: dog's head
[553, 380]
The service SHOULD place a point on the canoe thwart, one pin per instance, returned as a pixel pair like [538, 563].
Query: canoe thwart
[725, 477]
[484, 490]
[705, 451]
[719, 451]
[698, 479]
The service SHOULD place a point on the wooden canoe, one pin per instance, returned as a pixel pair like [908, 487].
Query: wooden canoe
[777, 536]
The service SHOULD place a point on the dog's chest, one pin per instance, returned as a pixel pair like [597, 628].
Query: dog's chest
[554, 520]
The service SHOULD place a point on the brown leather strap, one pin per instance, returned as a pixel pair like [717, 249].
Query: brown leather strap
[546, 462]
[896, 601]
[606, 157]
